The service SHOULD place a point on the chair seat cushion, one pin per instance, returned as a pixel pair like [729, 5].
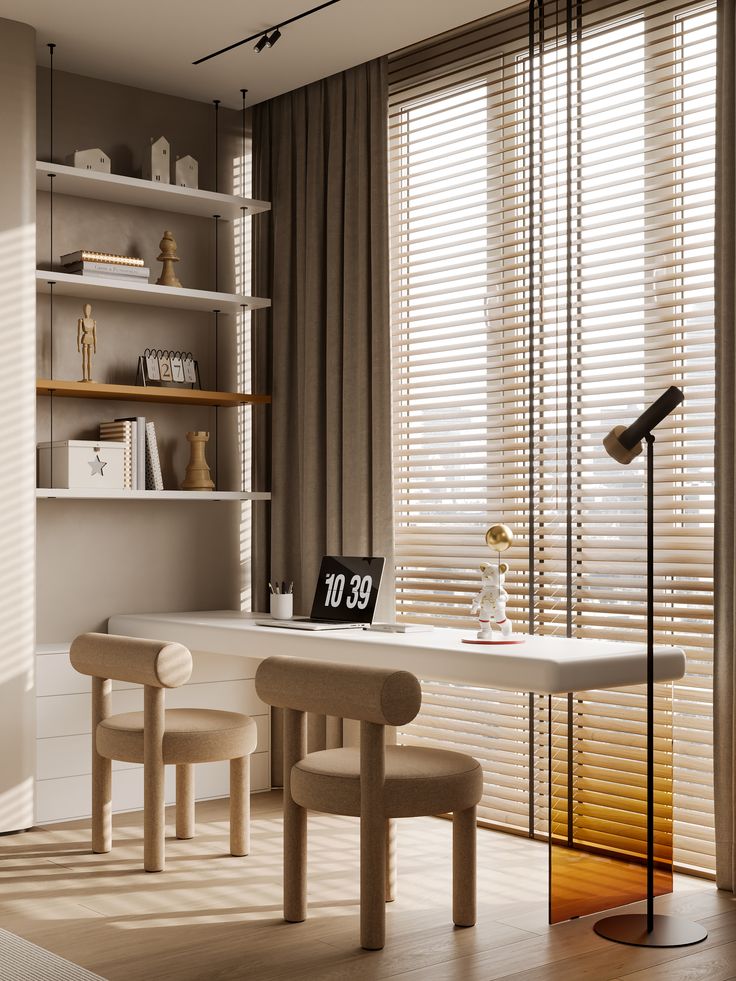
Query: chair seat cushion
[191, 736]
[418, 781]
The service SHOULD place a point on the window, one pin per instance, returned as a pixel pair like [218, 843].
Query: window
[494, 422]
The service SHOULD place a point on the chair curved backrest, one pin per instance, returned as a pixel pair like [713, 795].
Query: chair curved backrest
[157, 663]
[383, 696]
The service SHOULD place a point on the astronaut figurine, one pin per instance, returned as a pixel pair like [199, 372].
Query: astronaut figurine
[490, 603]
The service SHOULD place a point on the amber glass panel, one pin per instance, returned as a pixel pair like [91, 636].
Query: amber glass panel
[597, 800]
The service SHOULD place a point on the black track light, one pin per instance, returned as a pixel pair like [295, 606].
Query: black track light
[264, 39]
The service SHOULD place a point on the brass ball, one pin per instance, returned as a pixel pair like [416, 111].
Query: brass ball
[499, 537]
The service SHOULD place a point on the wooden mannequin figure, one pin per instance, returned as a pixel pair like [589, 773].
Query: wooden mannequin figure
[87, 341]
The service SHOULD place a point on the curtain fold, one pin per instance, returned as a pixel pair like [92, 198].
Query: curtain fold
[323, 350]
[725, 526]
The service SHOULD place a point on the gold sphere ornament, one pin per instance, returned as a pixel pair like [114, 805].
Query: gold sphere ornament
[499, 537]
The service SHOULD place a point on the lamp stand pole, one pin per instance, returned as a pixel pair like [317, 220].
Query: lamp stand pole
[650, 929]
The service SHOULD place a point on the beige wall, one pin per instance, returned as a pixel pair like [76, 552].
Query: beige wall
[99, 558]
[17, 471]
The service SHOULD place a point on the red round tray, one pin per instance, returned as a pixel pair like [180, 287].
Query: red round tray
[504, 640]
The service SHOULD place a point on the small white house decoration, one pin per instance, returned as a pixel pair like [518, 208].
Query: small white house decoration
[157, 161]
[94, 159]
[187, 172]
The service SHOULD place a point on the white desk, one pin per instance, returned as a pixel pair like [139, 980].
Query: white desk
[544, 665]
[582, 880]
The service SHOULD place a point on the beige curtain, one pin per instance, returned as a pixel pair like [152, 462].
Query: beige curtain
[725, 551]
[323, 350]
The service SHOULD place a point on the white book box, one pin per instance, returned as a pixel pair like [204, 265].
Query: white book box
[82, 464]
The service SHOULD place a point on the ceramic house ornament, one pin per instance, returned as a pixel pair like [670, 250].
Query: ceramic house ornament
[157, 161]
[94, 159]
[187, 172]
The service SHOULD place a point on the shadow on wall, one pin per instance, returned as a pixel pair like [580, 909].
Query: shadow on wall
[17, 525]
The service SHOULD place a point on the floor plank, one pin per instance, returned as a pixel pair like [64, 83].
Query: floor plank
[211, 916]
[716, 964]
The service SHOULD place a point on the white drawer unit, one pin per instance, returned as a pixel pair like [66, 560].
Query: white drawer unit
[63, 769]
[82, 464]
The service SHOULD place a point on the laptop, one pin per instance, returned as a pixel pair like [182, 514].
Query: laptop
[346, 594]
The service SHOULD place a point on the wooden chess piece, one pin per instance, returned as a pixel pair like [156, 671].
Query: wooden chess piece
[87, 341]
[168, 256]
[197, 477]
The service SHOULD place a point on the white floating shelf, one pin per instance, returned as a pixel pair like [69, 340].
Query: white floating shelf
[144, 194]
[68, 284]
[60, 493]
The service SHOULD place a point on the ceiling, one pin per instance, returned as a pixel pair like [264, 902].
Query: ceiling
[152, 43]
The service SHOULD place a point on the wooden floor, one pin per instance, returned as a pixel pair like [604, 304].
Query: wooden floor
[213, 917]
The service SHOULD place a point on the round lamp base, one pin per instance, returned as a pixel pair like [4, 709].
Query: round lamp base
[669, 931]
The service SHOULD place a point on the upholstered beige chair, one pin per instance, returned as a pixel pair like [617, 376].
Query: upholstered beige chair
[375, 782]
[156, 737]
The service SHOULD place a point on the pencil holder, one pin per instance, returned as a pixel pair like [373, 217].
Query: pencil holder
[282, 606]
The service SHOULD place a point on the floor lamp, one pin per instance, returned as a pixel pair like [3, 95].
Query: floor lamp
[647, 929]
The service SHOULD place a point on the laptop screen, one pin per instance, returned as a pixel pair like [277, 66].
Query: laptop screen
[347, 588]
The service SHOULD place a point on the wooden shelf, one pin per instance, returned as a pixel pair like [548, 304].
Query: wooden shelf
[68, 284]
[144, 194]
[62, 494]
[139, 393]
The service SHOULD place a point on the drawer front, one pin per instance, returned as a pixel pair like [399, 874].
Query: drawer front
[67, 798]
[71, 756]
[56, 676]
[70, 715]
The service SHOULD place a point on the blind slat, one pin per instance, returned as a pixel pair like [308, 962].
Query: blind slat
[616, 273]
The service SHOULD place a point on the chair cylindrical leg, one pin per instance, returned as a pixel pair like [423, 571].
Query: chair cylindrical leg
[295, 822]
[240, 806]
[463, 867]
[185, 800]
[373, 828]
[153, 779]
[390, 860]
[101, 772]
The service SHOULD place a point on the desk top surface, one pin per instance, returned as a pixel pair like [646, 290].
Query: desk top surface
[545, 665]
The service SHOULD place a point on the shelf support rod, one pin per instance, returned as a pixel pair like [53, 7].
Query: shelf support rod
[51, 47]
[216, 104]
[243, 93]
[217, 411]
[243, 189]
[217, 252]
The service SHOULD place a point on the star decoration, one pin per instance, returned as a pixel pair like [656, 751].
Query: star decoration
[97, 466]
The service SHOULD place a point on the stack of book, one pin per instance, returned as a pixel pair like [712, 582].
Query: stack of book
[141, 466]
[105, 265]
[124, 432]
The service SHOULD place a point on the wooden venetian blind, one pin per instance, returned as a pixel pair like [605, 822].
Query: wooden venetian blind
[552, 273]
